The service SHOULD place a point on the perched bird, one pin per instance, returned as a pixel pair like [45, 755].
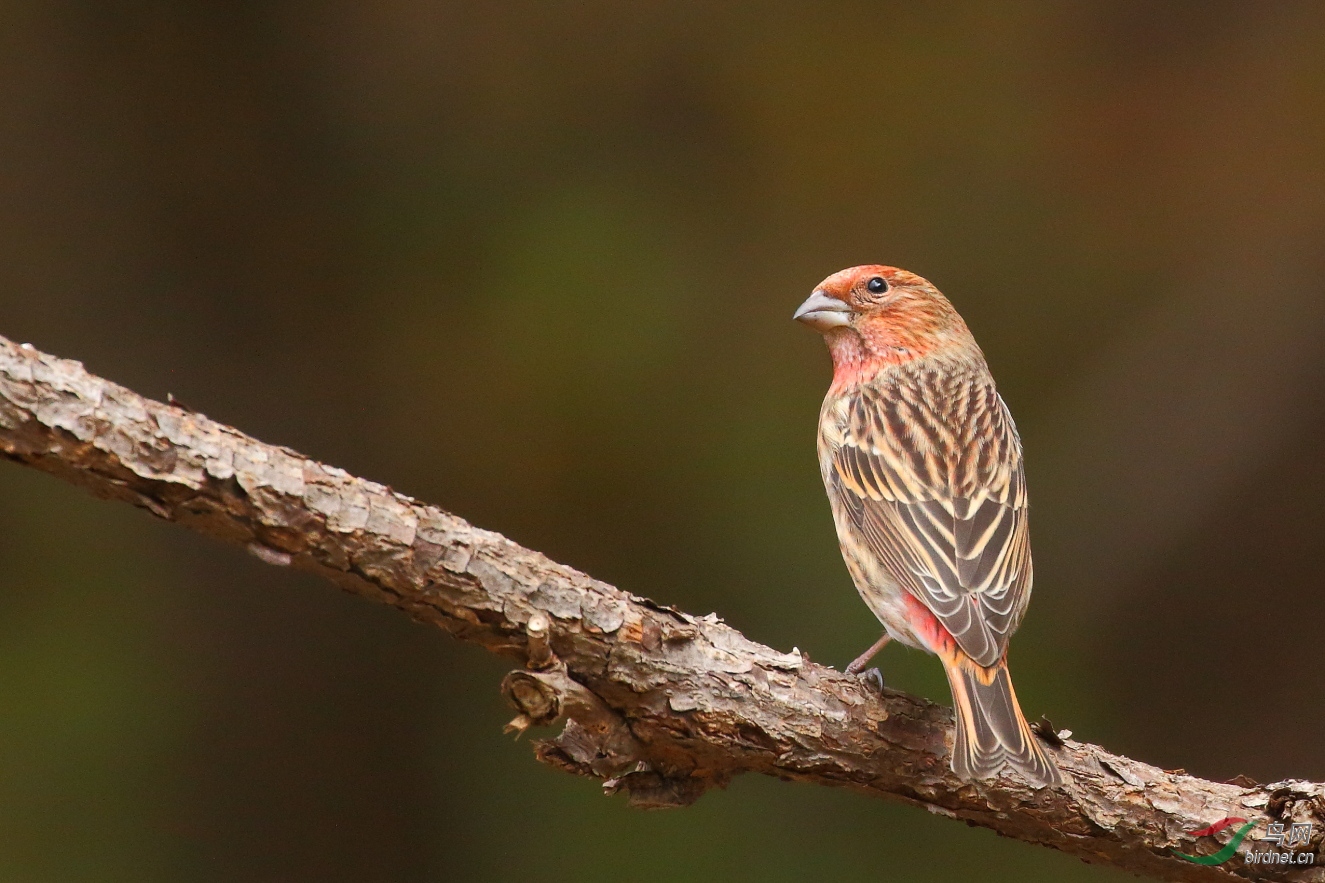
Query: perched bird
[923, 468]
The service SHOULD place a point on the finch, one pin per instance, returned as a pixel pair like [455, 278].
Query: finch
[923, 468]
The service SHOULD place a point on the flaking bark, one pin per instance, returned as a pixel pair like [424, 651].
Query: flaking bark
[652, 701]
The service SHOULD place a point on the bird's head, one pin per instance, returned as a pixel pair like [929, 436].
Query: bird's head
[874, 316]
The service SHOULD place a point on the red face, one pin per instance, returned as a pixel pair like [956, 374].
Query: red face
[850, 294]
[875, 316]
[886, 309]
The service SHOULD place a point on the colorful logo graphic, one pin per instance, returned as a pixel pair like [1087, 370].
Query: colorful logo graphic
[1229, 848]
[1277, 837]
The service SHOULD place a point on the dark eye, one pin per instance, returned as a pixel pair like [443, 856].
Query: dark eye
[878, 285]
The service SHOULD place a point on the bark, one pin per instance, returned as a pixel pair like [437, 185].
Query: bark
[651, 701]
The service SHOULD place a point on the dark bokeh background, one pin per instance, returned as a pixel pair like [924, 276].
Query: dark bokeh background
[536, 263]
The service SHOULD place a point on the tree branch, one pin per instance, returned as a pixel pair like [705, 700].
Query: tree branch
[655, 702]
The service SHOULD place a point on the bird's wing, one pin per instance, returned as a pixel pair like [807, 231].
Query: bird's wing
[929, 471]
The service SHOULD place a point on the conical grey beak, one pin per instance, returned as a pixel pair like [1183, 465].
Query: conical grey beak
[821, 311]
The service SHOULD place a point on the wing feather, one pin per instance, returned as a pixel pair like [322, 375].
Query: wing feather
[930, 475]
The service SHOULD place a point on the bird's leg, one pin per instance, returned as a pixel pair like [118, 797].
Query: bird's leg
[858, 664]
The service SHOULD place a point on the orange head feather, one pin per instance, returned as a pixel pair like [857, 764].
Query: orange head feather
[874, 316]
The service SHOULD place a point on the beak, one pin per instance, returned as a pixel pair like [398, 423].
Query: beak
[821, 311]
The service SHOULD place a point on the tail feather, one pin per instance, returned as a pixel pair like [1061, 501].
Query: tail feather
[991, 731]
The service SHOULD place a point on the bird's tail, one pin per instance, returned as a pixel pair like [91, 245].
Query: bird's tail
[991, 731]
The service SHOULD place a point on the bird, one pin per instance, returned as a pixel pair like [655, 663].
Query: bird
[924, 472]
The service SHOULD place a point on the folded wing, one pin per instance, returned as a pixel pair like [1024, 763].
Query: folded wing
[929, 470]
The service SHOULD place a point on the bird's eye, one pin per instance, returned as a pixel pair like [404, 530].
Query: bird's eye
[878, 285]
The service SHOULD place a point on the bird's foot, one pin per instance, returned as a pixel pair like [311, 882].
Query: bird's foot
[873, 679]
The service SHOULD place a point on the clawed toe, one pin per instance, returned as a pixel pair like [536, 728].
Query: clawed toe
[872, 678]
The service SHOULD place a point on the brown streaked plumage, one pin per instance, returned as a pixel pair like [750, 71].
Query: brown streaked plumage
[923, 468]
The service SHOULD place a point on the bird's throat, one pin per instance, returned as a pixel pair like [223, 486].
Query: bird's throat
[857, 359]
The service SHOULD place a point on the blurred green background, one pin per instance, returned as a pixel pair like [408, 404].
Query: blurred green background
[536, 263]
